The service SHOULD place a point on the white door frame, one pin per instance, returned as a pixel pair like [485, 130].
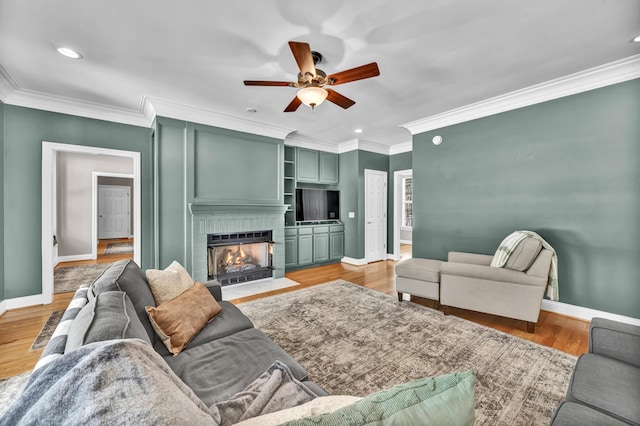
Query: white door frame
[368, 172]
[49, 150]
[94, 207]
[397, 208]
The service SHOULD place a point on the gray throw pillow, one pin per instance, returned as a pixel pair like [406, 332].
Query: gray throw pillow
[524, 254]
[110, 315]
[126, 275]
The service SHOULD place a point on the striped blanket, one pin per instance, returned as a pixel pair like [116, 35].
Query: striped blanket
[58, 341]
[509, 244]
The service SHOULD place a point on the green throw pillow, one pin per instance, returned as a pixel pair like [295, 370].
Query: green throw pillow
[442, 400]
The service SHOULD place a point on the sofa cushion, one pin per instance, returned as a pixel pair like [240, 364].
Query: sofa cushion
[227, 322]
[441, 400]
[524, 254]
[419, 269]
[177, 321]
[126, 275]
[572, 414]
[110, 315]
[169, 283]
[607, 385]
[221, 368]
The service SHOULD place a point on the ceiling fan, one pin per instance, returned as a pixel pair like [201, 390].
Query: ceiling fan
[311, 80]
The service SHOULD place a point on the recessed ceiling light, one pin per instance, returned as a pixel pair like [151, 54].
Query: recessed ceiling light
[358, 130]
[636, 39]
[69, 53]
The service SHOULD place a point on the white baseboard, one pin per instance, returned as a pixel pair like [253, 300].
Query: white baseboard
[584, 313]
[392, 256]
[3, 307]
[23, 302]
[75, 257]
[352, 261]
[410, 242]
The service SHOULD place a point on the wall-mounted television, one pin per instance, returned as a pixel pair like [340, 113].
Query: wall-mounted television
[317, 204]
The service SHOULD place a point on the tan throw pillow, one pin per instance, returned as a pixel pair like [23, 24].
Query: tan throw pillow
[524, 254]
[177, 321]
[170, 283]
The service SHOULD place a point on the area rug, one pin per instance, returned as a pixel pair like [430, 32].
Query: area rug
[10, 389]
[119, 248]
[355, 341]
[70, 278]
[47, 331]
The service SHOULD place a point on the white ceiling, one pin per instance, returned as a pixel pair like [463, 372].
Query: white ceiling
[434, 56]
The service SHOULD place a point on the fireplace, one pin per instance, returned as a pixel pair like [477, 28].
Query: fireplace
[240, 257]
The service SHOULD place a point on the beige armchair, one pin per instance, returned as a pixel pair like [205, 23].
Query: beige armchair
[514, 291]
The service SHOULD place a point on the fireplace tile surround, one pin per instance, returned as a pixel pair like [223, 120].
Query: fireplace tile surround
[209, 218]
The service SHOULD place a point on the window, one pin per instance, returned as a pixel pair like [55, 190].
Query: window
[407, 202]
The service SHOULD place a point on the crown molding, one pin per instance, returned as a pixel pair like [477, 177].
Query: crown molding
[605, 75]
[294, 139]
[400, 148]
[165, 108]
[351, 145]
[7, 85]
[149, 108]
[378, 148]
[59, 104]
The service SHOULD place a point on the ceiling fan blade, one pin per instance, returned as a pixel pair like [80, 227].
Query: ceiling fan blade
[358, 73]
[295, 103]
[339, 99]
[267, 83]
[302, 54]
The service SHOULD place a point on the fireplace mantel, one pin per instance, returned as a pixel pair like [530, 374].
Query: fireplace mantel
[200, 207]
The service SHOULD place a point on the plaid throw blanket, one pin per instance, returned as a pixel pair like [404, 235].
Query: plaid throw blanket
[509, 244]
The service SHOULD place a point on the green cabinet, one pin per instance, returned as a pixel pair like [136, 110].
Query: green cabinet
[320, 247]
[290, 251]
[336, 245]
[329, 168]
[307, 165]
[313, 245]
[305, 249]
[317, 167]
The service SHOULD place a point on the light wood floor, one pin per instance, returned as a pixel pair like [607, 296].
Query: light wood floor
[19, 327]
[102, 258]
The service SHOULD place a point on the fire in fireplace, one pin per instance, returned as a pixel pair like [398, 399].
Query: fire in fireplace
[240, 257]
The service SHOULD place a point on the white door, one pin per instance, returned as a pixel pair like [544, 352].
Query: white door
[114, 211]
[375, 199]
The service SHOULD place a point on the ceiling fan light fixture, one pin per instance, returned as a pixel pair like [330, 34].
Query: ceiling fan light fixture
[312, 96]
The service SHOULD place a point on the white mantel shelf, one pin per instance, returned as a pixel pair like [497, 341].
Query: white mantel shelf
[209, 207]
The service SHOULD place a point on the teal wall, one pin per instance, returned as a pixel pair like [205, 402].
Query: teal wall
[198, 163]
[349, 202]
[171, 208]
[568, 169]
[397, 162]
[24, 131]
[2, 297]
[352, 167]
[371, 161]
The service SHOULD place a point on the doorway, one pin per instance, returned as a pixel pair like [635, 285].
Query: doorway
[375, 198]
[50, 218]
[402, 214]
[114, 215]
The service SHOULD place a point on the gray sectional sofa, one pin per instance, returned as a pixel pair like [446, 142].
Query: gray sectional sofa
[605, 386]
[226, 356]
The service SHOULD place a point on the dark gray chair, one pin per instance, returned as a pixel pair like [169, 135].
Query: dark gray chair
[605, 386]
